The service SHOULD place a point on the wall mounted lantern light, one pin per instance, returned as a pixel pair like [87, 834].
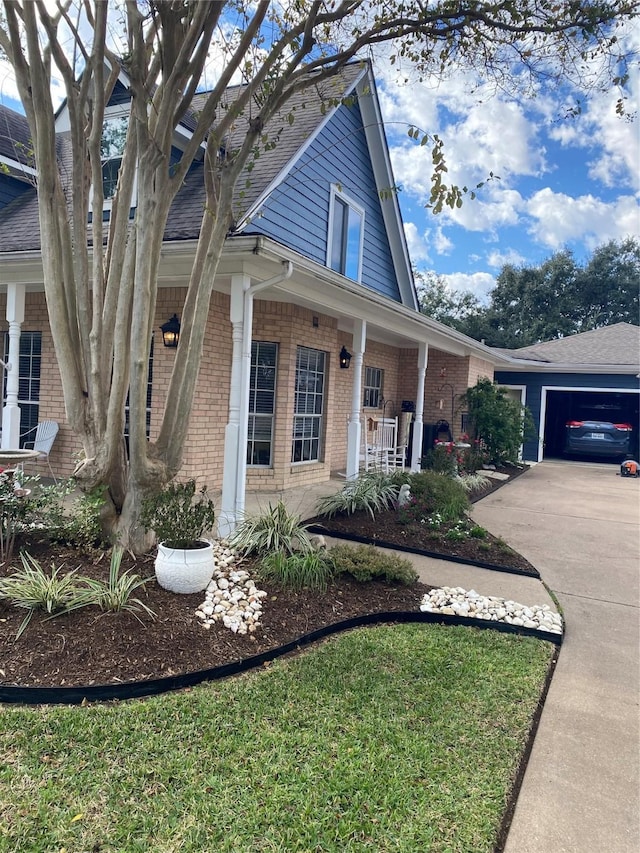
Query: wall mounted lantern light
[345, 358]
[171, 332]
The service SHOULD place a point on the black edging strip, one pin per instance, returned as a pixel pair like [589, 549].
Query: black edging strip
[451, 558]
[153, 687]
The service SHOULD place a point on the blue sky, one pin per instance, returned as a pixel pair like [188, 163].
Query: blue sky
[569, 182]
[564, 182]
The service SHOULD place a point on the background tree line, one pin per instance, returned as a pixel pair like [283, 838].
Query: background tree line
[558, 298]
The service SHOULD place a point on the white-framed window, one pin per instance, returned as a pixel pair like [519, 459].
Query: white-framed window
[262, 403]
[346, 235]
[373, 387]
[114, 134]
[309, 405]
[29, 363]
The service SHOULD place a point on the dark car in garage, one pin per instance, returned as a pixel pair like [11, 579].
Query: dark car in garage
[598, 438]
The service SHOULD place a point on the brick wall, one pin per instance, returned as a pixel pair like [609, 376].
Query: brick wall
[289, 326]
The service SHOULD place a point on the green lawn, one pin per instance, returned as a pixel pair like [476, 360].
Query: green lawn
[399, 738]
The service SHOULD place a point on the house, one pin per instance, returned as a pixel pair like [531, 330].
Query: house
[574, 377]
[315, 266]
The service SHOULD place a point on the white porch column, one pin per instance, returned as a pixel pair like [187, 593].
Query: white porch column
[227, 516]
[416, 447]
[11, 410]
[354, 428]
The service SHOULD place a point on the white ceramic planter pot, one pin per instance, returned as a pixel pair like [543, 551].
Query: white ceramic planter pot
[184, 570]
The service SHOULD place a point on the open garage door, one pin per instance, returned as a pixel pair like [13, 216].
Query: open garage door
[568, 404]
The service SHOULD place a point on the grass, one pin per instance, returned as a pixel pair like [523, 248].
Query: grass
[396, 738]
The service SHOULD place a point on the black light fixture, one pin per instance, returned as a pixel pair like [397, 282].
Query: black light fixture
[171, 332]
[345, 358]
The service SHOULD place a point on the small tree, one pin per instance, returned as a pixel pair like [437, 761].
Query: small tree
[499, 422]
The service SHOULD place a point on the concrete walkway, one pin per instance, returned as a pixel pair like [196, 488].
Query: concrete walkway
[579, 524]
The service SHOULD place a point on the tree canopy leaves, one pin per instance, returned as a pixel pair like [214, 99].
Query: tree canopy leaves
[558, 298]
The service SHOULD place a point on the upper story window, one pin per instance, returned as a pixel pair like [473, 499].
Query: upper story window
[114, 137]
[346, 234]
[114, 134]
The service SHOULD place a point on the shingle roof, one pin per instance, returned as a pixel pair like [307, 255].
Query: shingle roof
[14, 136]
[19, 223]
[305, 107]
[616, 345]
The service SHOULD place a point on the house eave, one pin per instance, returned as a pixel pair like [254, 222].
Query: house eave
[520, 365]
[353, 300]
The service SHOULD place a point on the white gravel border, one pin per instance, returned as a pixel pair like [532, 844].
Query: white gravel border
[456, 601]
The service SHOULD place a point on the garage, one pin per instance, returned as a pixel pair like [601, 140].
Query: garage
[590, 376]
[571, 404]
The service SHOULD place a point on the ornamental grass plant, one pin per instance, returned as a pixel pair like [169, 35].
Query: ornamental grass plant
[370, 493]
[275, 530]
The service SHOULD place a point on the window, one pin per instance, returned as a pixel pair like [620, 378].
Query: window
[262, 403]
[29, 363]
[309, 405]
[346, 229]
[373, 378]
[114, 135]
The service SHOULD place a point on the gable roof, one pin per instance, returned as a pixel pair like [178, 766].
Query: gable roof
[15, 142]
[294, 128]
[614, 345]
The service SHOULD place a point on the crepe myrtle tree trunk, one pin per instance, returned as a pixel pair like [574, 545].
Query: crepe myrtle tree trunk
[101, 292]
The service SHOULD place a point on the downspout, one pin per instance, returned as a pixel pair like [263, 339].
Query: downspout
[245, 375]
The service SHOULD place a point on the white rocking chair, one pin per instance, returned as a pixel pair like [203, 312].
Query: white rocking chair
[44, 436]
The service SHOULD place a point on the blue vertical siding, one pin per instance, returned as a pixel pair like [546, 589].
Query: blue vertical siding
[297, 212]
[120, 95]
[535, 381]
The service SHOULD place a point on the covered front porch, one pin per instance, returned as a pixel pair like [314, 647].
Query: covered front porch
[381, 359]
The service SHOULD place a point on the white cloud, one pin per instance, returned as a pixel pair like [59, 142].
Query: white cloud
[498, 259]
[559, 218]
[479, 283]
[416, 243]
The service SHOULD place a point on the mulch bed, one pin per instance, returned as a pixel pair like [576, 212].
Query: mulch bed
[386, 530]
[89, 647]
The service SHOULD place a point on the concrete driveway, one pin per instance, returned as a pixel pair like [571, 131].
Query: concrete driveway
[579, 524]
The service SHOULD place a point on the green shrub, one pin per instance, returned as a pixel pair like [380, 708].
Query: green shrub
[502, 424]
[478, 532]
[434, 493]
[177, 517]
[441, 459]
[365, 563]
[274, 530]
[297, 571]
[46, 508]
[369, 492]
